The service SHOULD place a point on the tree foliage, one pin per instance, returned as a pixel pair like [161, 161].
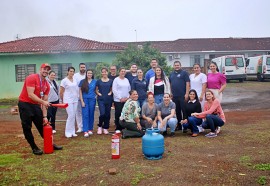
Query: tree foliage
[97, 70]
[142, 57]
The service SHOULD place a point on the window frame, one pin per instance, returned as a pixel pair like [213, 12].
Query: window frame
[60, 70]
[21, 74]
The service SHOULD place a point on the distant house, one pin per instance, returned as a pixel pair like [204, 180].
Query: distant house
[190, 51]
[22, 57]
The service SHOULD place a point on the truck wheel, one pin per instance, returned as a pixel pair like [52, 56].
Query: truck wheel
[241, 80]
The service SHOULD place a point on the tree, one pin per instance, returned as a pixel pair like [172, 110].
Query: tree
[97, 70]
[142, 57]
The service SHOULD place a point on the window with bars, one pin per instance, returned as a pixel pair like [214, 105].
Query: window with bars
[198, 59]
[60, 70]
[22, 71]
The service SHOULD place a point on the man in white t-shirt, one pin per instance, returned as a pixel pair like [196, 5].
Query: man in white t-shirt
[78, 77]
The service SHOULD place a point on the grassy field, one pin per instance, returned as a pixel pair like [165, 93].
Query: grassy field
[239, 156]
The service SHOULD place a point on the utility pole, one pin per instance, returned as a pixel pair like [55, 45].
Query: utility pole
[136, 34]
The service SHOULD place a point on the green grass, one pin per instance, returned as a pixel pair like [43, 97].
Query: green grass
[262, 180]
[245, 160]
[200, 160]
[262, 166]
[10, 159]
[137, 178]
[4, 106]
[9, 101]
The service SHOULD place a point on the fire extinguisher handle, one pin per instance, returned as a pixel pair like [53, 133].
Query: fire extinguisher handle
[45, 124]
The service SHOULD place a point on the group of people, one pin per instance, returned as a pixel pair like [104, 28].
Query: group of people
[177, 101]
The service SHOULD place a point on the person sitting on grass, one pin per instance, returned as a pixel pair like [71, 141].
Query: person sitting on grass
[149, 112]
[192, 105]
[213, 115]
[166, 115]
[130, 117]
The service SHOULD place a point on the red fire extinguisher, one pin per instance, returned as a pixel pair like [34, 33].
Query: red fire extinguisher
[115, 146]
[48, 139]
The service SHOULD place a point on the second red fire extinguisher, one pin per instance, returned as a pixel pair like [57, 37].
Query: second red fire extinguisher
[48, 139]
[115, 146]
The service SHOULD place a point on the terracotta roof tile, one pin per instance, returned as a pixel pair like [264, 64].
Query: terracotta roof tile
[56, 44]
[207, 44]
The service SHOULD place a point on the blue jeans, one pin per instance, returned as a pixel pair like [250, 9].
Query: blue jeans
[88, 113]
[105, 114]
[212, 122]
[193, 122]
[172, 122]
[158, 98]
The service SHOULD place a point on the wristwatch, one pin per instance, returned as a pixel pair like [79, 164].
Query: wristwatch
[44, 116]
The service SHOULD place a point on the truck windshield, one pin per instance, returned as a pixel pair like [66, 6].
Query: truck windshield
[232, 61]
[268, 61]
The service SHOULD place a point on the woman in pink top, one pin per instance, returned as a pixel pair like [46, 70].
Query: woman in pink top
[216, 81]
[213, 114]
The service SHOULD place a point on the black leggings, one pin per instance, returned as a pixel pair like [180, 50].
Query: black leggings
[52, 114]
[118, 109]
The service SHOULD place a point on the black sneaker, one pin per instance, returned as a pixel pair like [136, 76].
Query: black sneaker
[164, 133]
[172, 134]
[55, 147]
[37, 151]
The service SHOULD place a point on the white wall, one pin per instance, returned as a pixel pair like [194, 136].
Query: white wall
[184, 59]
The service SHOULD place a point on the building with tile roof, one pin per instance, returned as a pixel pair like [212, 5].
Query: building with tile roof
[190, 51]
[22, 57]
[56, 44]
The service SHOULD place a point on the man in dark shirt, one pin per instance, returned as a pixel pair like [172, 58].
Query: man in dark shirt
[180, 85]
[112, 74]
[132, 73]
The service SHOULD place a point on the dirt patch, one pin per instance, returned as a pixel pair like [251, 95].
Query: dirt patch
[226, 160]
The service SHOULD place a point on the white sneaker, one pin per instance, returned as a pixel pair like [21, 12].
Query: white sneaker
[200, 129]
[105, 131]
[99, 130]
[74, 135]
[90, 132]
[79, 130]
[54, 131]
[86, 135]
[218, 130]
[68, 136]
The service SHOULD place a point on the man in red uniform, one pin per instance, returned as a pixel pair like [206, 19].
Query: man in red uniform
[33, 104]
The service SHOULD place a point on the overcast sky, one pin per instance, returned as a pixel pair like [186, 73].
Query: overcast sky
[117, 20]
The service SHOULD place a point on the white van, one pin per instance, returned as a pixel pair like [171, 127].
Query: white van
[232, 66]
[258, 67]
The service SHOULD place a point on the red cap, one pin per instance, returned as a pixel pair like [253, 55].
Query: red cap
[45, 65]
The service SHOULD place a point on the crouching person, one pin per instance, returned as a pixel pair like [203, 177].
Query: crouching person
[191, 106]
[213, 115]
[130, 117]
[166, 115]
[149, 112]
